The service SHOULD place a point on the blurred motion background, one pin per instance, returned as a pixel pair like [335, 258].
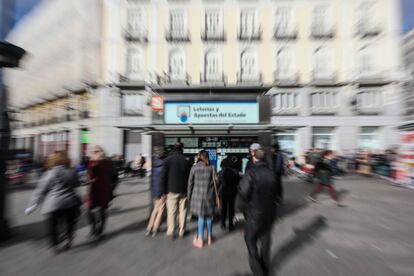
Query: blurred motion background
[338, 73]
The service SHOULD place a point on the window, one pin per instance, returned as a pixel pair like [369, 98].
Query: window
[177, 65]
[368, 138]
[367, 60]
[213, 23]
[368, 22]
[177, 23]
[134, 64]
[321, 21]
[285, 63]
[286, 102]
[247, 23]
[135, 20]
[287, 143]
[366, 99]
[213, 67]
[284, 22]
[322, 137]
[322, 63]
[324, 100]
[249, 66]
[133, 104]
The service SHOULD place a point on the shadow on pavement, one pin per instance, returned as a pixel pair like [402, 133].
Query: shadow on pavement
[131, 193]
[302, 237]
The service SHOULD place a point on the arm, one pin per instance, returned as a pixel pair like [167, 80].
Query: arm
[43, 187]
[190, 184]
[245, 187]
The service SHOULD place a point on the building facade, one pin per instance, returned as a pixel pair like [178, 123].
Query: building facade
[332, 70]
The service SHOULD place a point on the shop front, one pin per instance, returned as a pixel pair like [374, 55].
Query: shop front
[221, 126]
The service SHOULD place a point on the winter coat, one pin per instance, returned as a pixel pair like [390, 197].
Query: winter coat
[201, 193]
[229, 181]
[56, 189]
[258, 190]
[324, 172]
[102, 175]
[175, 173]
[157, 189]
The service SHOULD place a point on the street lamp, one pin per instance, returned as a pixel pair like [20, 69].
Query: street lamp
[10, 56]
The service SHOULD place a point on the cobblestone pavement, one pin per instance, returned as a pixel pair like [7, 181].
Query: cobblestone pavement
[372, 235]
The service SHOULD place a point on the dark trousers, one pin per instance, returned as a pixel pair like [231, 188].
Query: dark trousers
[319, 188]
[97, 226]
[258, 242]
[227, 209]
[69, 216]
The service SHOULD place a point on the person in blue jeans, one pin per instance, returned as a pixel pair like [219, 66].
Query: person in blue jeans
[201, 196]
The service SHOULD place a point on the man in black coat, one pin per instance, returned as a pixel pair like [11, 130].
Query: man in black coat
[278, 169]
[174, 177]
[259, 191]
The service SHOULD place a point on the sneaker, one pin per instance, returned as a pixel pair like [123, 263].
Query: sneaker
[198, 243]
[147, 233]
[154, 234]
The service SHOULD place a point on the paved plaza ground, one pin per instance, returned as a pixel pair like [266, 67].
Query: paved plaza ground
[372, 235]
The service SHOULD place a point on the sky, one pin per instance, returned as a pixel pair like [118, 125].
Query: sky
[24, 6]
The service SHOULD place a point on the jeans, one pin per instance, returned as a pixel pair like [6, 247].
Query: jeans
[209, 222]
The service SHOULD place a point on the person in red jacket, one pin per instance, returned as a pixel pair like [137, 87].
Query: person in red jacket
[101, 173]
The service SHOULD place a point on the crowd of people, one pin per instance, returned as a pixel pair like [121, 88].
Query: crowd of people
[179, 187]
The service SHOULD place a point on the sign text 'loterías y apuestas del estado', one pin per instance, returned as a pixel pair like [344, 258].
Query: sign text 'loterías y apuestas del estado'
[211, 113]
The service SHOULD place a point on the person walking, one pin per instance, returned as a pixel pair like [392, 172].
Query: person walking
[56, 189]
[101, 173]
[258, 190]
[158, 195]
[279, 169]
[229, 179]
[324, 173]
[174, 178]
[202, 193]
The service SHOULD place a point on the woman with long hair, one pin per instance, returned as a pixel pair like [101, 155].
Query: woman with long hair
[56, 190]
[101, 173]
[201, 194]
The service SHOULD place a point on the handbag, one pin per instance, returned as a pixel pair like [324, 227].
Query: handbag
[217, 198]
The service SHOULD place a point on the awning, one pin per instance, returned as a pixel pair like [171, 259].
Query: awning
[214, 129]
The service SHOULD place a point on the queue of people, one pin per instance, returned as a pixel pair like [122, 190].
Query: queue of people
[178, 187]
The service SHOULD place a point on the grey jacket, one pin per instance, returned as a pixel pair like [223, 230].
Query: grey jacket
[56, 189]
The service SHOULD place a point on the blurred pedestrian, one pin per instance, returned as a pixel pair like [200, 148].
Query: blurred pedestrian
[258, 189]
[202, 195]
[158, 195]
[279, 169]
[229, 181]
[324, 173]
[56, 189]
[102, 176]
[174, 177]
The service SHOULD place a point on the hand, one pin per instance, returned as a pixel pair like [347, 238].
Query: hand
[30, 209]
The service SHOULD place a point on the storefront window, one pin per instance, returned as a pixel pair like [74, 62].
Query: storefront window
[368, 138]
[287, 143]
[322, 137]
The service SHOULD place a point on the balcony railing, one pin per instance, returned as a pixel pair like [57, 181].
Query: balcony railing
[319, 32]
[369, 110]
[315, 110]
[255, 34]
[319, 78]
[286, 79]
[368, 31]
[177, 35]
[211, 79]
[375, 77]
[140, 35]
[130, 77]
[286, 111]
[168, 79]
[249, 78]
[213, 36]
[285, 34]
